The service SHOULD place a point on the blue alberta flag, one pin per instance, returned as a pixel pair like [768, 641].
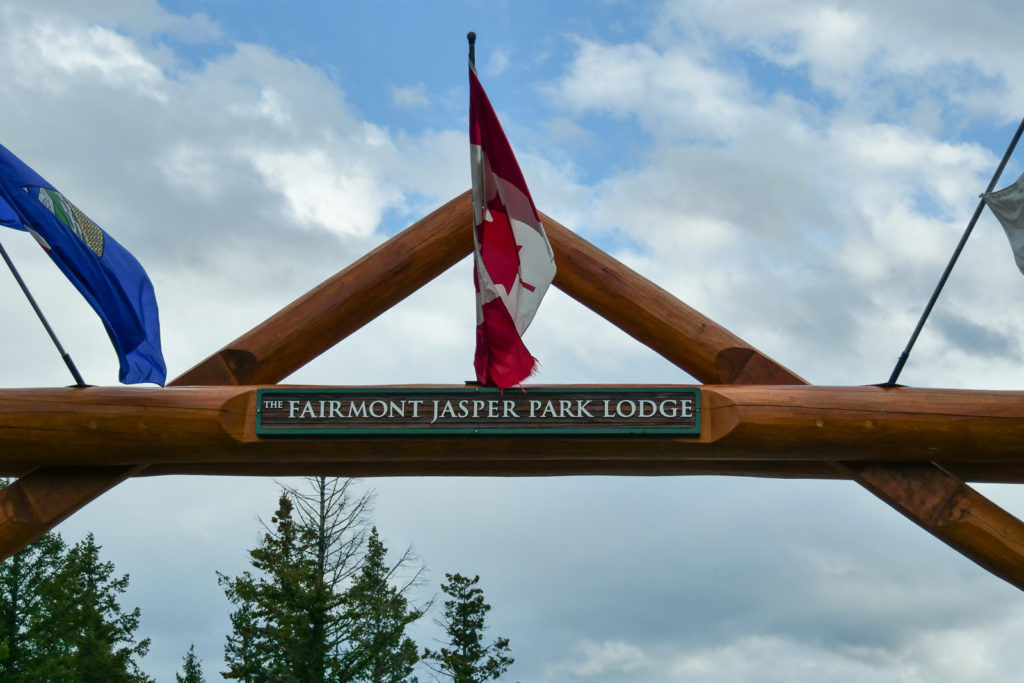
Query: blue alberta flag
[106, 274]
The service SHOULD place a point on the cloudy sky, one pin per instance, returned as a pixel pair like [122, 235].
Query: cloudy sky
[799, 172]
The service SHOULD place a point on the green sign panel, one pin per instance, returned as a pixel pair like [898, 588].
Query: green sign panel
[476, 410]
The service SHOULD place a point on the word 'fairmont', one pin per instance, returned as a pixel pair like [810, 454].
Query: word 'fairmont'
[489, 409]
[476, 410]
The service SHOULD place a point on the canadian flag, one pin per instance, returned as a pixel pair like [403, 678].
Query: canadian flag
[513, 261]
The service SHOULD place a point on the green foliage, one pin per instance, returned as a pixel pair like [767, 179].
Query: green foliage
[96, 637]
[191, 671]
[279, 608]
[335, 520]
[377, 613]
[27, 591]
[467, 659]
[243, 647]
[318, 603]
[60, 619]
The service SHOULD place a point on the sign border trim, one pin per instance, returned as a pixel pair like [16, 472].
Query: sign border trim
[695, 391]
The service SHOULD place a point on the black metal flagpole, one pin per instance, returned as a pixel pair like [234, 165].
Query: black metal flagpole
[471, 37]
[952, 261]
[42, 318]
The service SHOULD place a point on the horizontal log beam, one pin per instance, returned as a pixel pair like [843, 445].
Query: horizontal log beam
[135, 425]
[995, 473]
[503, 467]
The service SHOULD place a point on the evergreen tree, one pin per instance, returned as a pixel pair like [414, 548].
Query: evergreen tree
[336, 520]
[467, 659]
[242, 651]
[26, 599]
[94, 639]
[191, 671]
[291, 621]
[60, 619]
[277, 608]
[377, 613]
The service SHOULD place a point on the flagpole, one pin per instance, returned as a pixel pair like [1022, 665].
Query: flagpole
[42, 318]
[952, 261]
[471, 37]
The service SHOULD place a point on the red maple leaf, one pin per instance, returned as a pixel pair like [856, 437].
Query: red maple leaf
[498, 249]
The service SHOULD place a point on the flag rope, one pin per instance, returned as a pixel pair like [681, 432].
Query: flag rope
[952, 261]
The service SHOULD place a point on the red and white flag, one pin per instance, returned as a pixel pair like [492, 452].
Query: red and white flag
[513, 261]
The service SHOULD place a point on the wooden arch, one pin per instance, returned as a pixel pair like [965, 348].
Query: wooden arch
[913, 448]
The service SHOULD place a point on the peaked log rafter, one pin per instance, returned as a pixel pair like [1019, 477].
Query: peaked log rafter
[268, 353]
[930, 495]
[974, 525]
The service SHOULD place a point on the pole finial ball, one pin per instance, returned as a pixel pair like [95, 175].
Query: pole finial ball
[471, 37]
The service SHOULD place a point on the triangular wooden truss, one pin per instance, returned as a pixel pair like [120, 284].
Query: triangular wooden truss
[910, 447]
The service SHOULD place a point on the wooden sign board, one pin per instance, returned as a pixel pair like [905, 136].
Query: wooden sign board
[477, 410]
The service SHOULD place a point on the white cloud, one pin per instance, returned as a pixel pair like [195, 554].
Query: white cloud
[272, 107]
[607, 657]
[868, 53]
[670, 92]
[53, 54]
[497, 61]
[323, 192]
[931, 655]
[137, 17]
[411, 96]
[787, 194]
[562, 128]
[185, 164]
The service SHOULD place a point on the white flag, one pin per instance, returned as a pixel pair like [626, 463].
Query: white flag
[1008, 206]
